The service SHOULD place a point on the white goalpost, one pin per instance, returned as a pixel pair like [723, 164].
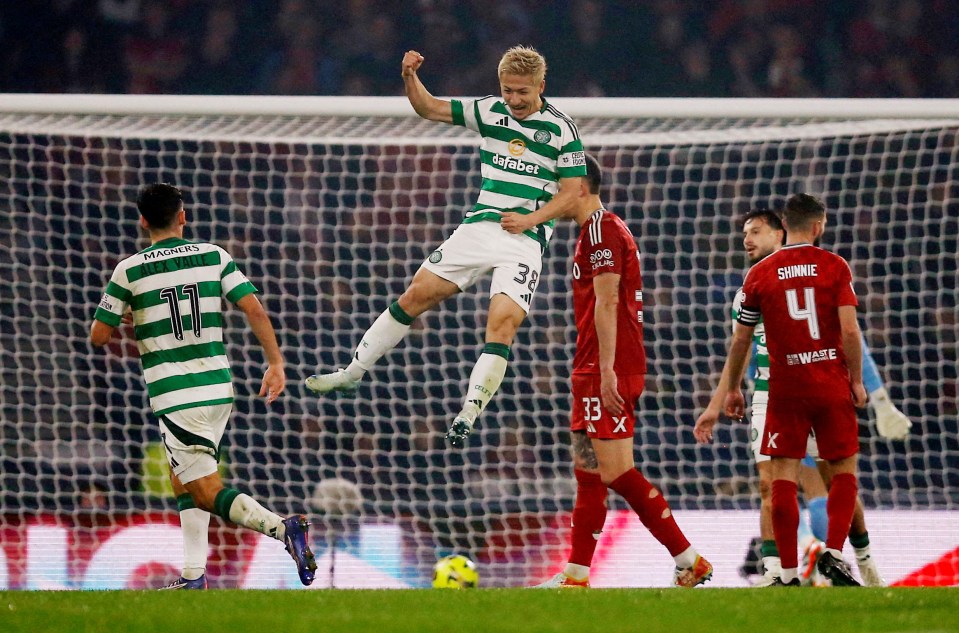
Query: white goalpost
[329, 205]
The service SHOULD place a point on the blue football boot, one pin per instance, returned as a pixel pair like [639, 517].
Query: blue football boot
[183, 583]
[297, 544]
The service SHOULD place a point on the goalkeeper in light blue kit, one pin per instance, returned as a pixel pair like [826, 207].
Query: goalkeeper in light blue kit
[174, 291]
[532, 159]
[763, 235]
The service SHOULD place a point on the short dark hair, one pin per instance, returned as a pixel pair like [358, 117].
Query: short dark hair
[159, 203]
[802, 210]
[769, 216]
[594, 174]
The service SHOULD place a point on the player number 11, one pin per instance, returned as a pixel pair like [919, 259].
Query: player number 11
[192, 291]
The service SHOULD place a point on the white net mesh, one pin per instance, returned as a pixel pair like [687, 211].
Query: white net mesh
[330, 217]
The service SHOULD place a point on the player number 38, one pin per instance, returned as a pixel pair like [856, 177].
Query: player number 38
[525, 272]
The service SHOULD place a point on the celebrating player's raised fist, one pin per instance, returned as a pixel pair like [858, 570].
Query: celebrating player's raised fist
[411, 63]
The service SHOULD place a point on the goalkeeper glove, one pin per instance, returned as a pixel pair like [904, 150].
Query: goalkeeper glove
[890, 421]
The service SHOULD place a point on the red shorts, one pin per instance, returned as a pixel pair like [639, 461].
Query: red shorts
[589, 414]
[789, 421]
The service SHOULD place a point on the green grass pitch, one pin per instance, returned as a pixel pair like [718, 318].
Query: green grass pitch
[487, 610]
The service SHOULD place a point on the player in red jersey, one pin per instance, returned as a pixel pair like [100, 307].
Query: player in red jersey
[609, 370]
[804, 296]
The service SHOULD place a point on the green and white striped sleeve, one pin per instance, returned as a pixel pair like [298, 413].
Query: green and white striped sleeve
[465, 114]
[115, 299]
[233, 283]
[571, 162]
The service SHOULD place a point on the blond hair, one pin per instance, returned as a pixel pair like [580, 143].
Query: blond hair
[524, 61]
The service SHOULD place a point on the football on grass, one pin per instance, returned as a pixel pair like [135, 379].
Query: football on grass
[455, 572]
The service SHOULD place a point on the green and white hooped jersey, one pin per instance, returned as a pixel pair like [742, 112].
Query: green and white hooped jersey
[522, 161]
[176, 289]
[761, 354]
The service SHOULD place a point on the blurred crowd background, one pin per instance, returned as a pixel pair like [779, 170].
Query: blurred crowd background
[719, 48]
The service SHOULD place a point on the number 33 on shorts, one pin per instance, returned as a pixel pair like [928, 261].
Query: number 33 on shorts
[589, 414]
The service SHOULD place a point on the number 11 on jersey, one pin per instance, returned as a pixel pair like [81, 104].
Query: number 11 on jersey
[172, 296]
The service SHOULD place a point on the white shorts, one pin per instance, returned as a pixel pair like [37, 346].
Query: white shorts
[475, 249]
[757, 422]
[192, 439]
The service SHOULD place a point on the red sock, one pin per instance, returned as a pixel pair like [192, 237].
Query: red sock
[589, 515]
[785, 511]
[840, 505]
[648, 503]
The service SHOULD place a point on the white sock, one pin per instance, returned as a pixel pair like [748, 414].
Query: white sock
[772, 565]
[686, 558]
[385, 333]
[247, 512]
[195, 527]
[485, 379]
[788, 575]
[576, 572]
[862, 553]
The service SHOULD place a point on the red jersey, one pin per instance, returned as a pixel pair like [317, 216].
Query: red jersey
[797, 292]
[605, 245]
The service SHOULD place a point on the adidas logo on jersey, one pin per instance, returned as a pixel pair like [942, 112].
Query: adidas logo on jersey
[527, 297]
[504, 121]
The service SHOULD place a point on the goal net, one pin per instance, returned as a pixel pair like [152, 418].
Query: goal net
[330, 206]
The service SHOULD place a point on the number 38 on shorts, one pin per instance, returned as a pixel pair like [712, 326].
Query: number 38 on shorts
[590, 416]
